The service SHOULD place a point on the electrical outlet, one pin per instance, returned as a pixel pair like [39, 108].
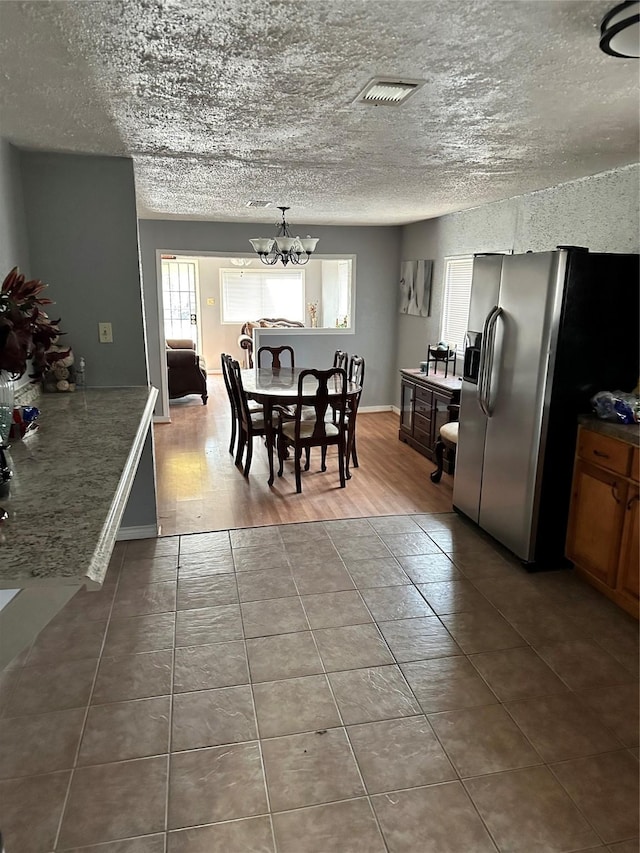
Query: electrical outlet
[211, 301]
[105, 333]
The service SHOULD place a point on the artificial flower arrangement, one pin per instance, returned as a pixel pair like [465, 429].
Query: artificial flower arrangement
[312, 307]
[26, 332]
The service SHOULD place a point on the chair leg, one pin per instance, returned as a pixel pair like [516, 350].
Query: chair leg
[323, 466]
[354, 452]
[298, 455]
[232, 443]
[205, 397]
[281, 455]
[341, 455]
[436, 475]
[307, 458]
[247, 463]
[241, 443]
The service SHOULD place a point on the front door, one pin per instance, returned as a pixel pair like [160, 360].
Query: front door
[180, 299]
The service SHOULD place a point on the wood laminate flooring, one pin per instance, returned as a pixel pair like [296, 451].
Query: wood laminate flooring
[200, 489]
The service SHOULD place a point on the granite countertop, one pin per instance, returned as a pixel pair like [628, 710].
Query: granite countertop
[72, 478]
[623, 432]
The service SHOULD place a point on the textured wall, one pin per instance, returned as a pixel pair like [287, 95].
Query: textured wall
[600, 212]
[377, 264]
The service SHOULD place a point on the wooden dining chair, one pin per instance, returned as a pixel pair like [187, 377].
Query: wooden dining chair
[322, 431]
[250, 424]
[276, 352]
[356, 375]
[225, 361]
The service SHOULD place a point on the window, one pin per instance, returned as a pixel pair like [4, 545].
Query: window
[251, 294]
[179, 299]
[457, 295]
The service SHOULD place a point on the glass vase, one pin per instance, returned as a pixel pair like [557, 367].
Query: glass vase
[6, 405]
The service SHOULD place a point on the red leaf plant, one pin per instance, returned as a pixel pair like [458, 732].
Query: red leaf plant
[26, 332]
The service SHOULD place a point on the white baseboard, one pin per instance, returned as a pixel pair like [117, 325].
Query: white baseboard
[161, 419]
[395, 410]
[366, 409]
[145, 531]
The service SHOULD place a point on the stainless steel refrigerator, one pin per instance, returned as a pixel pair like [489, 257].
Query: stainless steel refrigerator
[546, 331]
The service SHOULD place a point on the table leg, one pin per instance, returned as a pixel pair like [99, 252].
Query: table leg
[268, 434]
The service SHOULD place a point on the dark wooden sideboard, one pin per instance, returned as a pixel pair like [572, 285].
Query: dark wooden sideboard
[424, 408]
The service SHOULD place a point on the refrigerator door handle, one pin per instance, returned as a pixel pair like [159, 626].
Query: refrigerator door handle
[497, 312]
[481, 396]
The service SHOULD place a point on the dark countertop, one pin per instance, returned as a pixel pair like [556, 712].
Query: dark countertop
[623, 432]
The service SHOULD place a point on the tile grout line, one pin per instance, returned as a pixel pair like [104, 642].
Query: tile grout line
[343, 725]
[88, 707]
[171, 699]
[253, 705]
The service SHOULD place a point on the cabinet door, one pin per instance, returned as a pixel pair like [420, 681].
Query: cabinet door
[630, 548]
[407, 391]
[595, 525]
[441, 413]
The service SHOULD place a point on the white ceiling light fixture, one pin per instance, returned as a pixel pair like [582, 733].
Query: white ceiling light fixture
[620, 30]
[284, 247]
[388, 91]
[241, 262]
[255, 203]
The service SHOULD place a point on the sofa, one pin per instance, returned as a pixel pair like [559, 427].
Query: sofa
[186, 370]
[245, 339]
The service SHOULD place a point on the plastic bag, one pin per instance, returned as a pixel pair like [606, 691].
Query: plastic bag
[617, 406]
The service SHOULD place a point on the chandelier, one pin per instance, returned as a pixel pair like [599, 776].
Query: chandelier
[284, 247]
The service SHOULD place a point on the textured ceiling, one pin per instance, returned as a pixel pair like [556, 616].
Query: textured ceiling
[222, 101]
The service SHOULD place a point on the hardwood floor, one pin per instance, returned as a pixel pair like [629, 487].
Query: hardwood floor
[200, 489]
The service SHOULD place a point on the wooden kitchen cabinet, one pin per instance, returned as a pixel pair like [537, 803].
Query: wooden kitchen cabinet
[602, 537]
[424, 407]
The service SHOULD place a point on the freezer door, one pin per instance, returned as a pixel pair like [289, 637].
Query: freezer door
[518, 397]
[467, 481]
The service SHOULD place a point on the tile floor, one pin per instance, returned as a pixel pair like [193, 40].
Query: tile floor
[359, 686]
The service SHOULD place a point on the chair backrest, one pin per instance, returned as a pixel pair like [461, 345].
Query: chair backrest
[240, 398]
[180, 343]
[340, 359]
[356, 371]
[276, 352]
[225, 361]
[328, 381]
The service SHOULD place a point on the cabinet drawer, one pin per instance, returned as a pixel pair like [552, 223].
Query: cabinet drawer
[635, 464]
[604, 451]
[423, 395]
[422, 436]
[422, 408]
[421, 423]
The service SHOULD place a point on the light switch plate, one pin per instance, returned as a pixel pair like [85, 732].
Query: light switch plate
[105, 333]
[211, 300]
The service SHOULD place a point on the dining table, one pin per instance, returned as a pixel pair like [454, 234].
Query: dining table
[279, 387]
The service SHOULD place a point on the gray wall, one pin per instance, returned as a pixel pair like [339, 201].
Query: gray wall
[600, 212]
[82, 237]
[377, 251]
[82, 231]
[14, 249]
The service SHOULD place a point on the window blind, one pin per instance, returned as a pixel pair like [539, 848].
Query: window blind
[457, 295]
[251, 294]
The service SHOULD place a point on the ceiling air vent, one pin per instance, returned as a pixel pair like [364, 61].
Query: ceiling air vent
[258, 204]
[388, 91]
